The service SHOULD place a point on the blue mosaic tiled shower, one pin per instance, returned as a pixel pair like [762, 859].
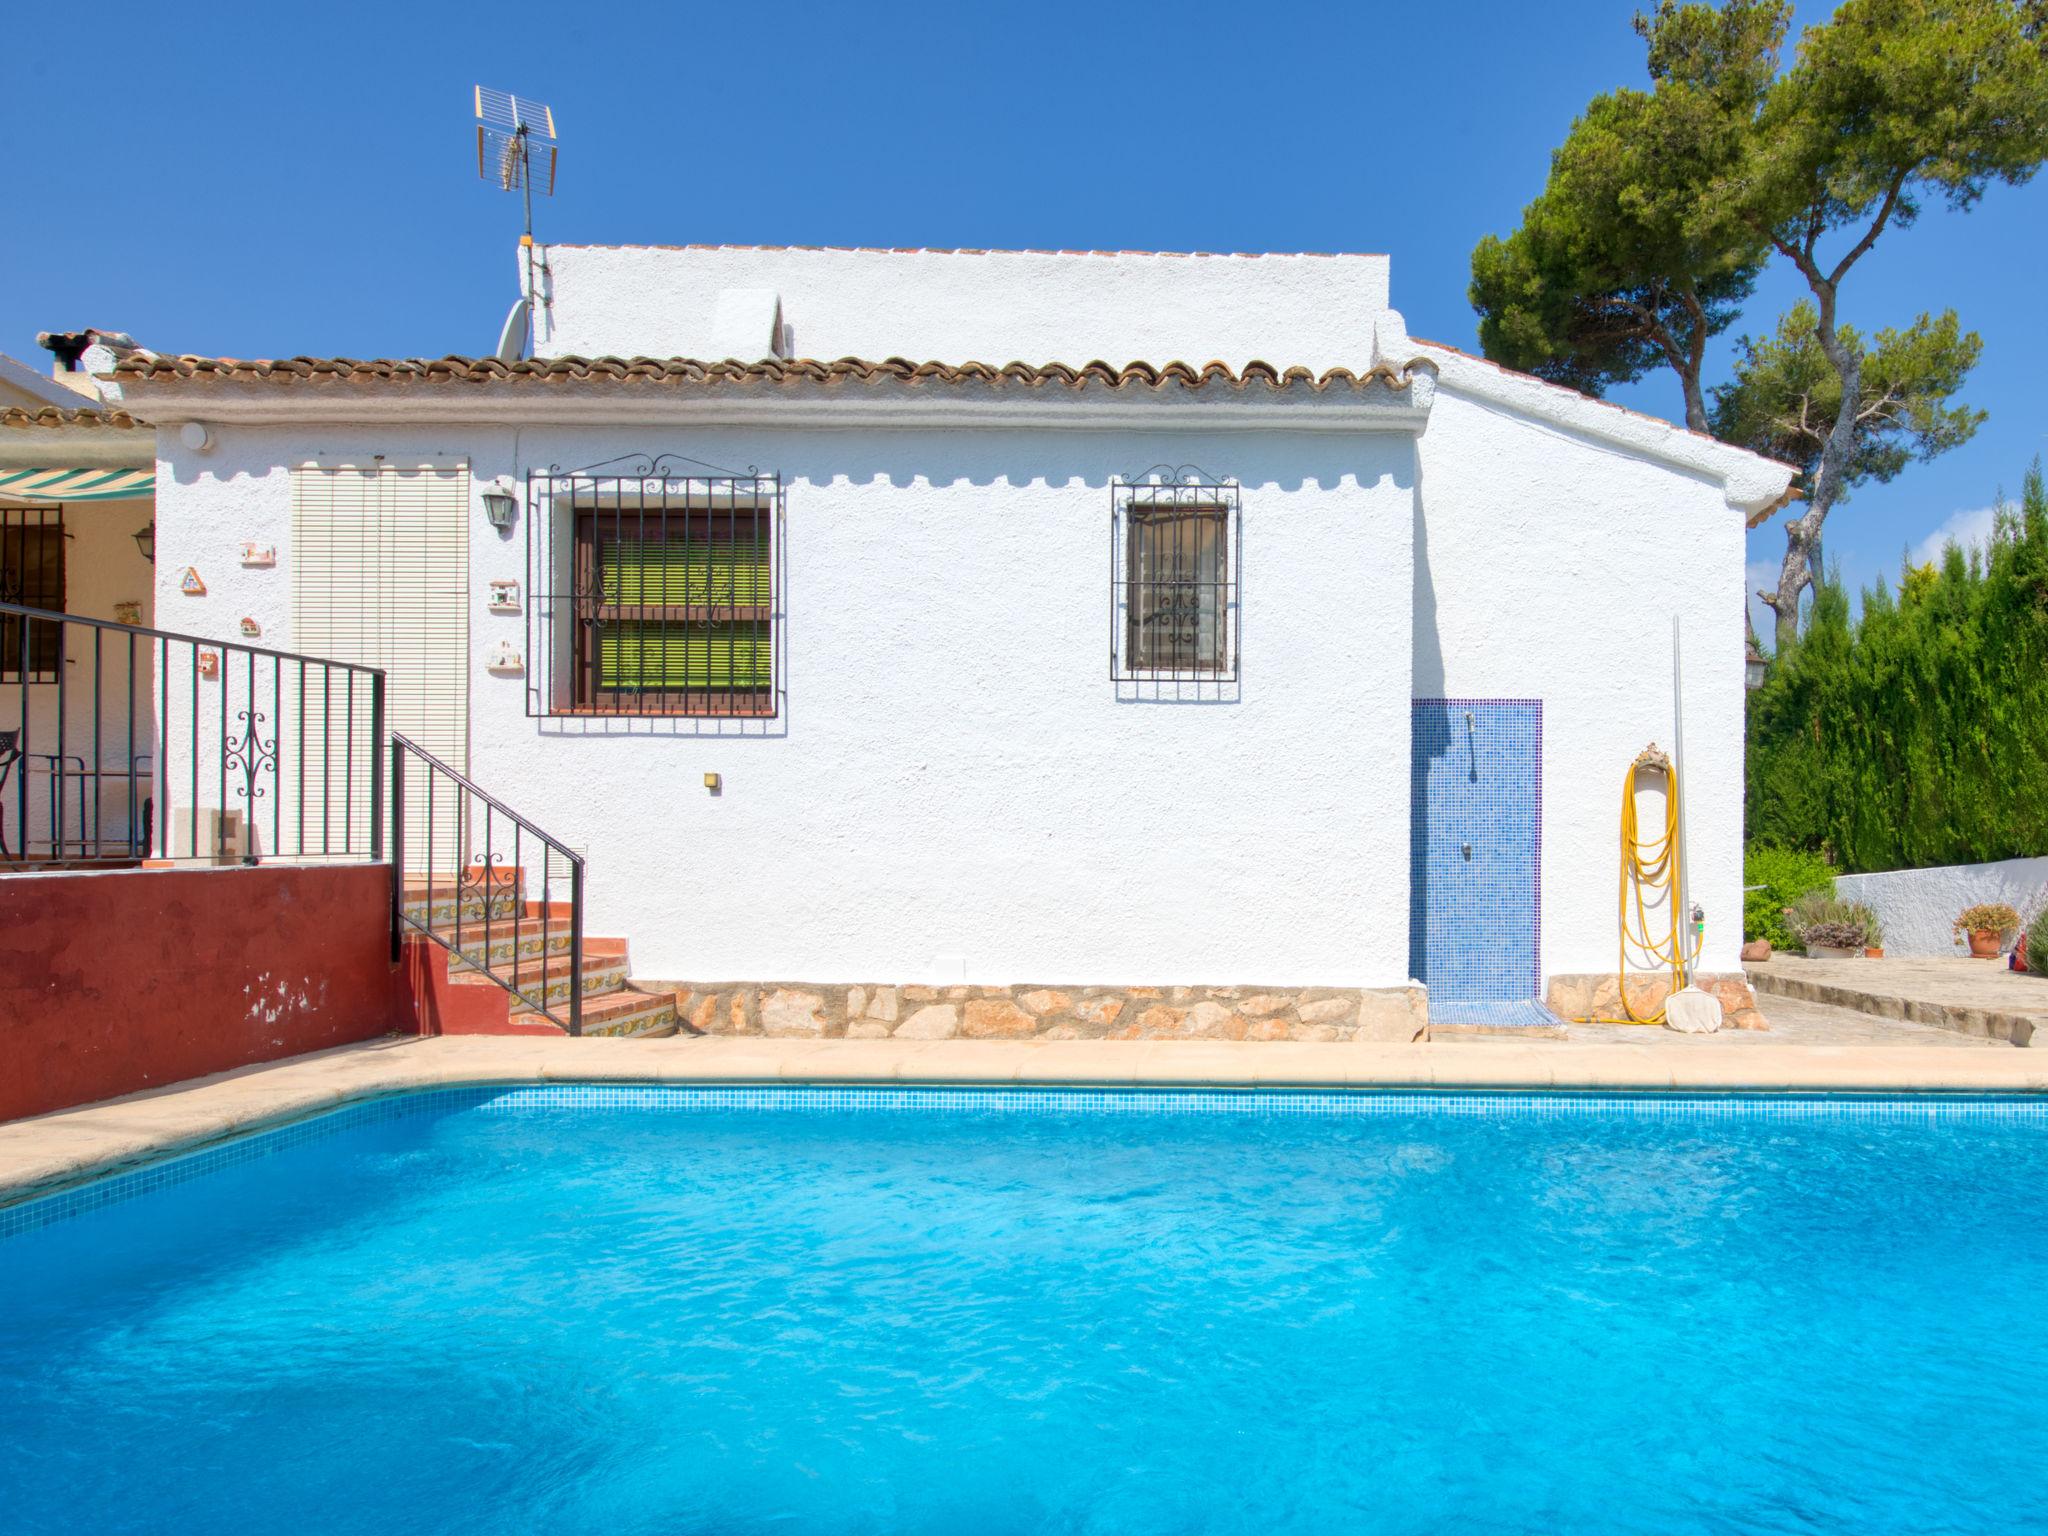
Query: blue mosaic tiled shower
[1476, 848]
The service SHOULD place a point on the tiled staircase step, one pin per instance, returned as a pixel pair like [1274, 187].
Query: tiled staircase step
[526, 936]
[602, 974]
[445, 909]
[623, 1013]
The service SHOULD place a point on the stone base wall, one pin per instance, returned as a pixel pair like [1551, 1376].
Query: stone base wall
[1577, 997]
[873, 1012]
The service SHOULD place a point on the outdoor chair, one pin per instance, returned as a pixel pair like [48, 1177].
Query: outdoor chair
[10, 754]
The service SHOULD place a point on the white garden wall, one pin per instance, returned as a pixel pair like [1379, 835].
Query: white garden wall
[1918, 907]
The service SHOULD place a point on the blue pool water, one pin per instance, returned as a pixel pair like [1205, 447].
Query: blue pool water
[622, 1312]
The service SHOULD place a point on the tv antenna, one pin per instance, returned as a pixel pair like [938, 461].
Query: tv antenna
[516, 148]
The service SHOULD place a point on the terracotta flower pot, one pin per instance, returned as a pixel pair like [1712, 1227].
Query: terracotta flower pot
[1984, 946]
[1873, 951]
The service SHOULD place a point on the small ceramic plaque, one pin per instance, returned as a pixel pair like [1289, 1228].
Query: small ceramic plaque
[209, 663]
[259, 554]
[190, 584]
[127, 613]
[251, 628]
[503, 656]
[504, 596]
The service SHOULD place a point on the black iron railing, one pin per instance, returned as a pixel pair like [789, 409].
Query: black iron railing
[451, 842]
[120, 743]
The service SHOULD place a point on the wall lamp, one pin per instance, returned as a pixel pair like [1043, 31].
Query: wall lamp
[145, 540]
[501, 507]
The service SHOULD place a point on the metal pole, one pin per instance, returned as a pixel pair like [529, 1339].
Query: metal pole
[575, 945]
[377, 767]
[398, 853]
[1684, 891]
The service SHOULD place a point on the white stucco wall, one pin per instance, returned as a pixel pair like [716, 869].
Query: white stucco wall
[1548, 565]
[954, 777]
[1918, 907]
[993, 307]
[955, 786]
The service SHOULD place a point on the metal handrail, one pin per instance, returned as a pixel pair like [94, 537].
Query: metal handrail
[479, 875]
[255, 728]
[206, 640]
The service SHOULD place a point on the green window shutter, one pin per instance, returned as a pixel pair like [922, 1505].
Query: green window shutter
[678, 572]
[650, 655]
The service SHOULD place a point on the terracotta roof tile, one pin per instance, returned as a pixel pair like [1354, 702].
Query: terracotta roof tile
[64, 416]
[682, 370]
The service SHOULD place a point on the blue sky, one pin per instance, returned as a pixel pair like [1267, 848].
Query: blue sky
[267, 180]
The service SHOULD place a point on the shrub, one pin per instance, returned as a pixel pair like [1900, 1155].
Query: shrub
[2037, 943]
[1822, 920]
[1915, 733]
[1988, 917]
[1782, 876]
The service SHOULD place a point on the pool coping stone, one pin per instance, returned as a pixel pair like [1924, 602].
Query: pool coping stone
[46, 1153]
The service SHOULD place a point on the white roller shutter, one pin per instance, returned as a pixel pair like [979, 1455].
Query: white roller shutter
[380, 576]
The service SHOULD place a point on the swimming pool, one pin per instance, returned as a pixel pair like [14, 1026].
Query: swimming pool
[668, 1310]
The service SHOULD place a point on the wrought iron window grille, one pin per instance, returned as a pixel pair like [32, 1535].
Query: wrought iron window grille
[654, 589]
[1176, 544]
[32, 557]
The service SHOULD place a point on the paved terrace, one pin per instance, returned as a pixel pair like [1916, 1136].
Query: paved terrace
[1979, 998]
[47, 1152]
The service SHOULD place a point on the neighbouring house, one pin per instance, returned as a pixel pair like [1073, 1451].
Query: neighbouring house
[77, 487]
[982, 679]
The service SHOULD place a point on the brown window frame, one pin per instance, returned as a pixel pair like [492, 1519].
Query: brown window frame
[751, 625]
[48, 591]
[1199, 559]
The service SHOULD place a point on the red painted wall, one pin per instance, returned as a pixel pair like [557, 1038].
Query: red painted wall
[122, 980]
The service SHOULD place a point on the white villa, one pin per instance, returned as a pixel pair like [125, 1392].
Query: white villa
[998, 642]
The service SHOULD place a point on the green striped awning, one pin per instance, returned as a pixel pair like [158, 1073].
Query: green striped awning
[77, 484]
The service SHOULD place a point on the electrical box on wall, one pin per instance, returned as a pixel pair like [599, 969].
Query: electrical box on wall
[504, 596]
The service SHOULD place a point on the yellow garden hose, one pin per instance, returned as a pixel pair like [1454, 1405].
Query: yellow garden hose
[1649, 871]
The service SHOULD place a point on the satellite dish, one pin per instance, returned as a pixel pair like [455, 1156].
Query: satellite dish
[512, 340]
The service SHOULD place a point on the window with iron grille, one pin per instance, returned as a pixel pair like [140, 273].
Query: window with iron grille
[1173, 542]
[32, 574]
[670, 605]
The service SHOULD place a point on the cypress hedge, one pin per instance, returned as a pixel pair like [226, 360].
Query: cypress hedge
[1916, 734]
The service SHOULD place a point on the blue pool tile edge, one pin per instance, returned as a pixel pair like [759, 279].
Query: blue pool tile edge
[177, 1168]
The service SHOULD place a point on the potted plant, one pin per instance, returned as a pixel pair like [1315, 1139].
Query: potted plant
[2031, 953]
[1986, 926]
[1830, 928]
[1873, 930]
